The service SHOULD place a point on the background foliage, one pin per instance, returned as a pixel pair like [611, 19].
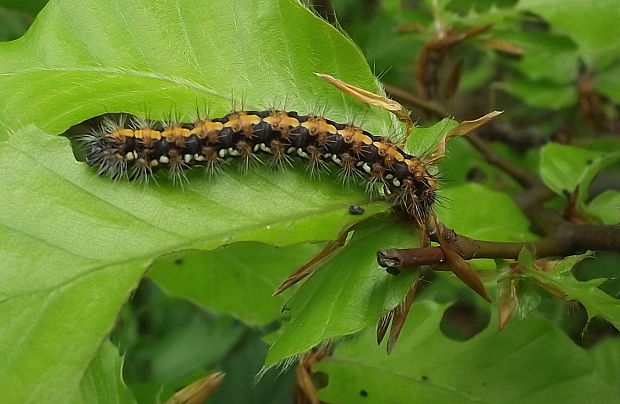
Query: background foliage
[75, 247]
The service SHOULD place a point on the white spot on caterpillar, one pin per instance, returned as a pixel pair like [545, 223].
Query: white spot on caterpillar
[233, 152]
[367, 168]
[164, 160]
[154, 163]
[302, 153]
[389, 177]
[187, 158]
[198, 157]
[360, 163]
[265, 148]
[291, 150]
[129, 156]
[258, 146]
[336, 160]
[222, 153]
[327, 155]
[396, 182]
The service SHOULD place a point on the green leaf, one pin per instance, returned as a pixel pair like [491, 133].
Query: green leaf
[237, 279]
[484, 369]
[606, 207]
[31, 7]
[75, 245]
[423, 141]
[101, 236]
[563, 168]
[102, 382]
[347, 293]
[541, 93]
[606, 358]
[157, 59]
[62, 282]
[560, 279]
[593, 25]
[476, 211]
[607, 83]
[546, 56]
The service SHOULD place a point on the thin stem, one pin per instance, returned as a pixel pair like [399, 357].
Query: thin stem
[406, 96]
[523, 177]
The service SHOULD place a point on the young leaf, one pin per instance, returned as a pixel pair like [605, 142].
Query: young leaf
[423, 141]
[560, 281]
[347, 293]
[564, 168]
[103, 381]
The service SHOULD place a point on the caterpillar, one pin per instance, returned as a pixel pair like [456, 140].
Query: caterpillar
[135, 148]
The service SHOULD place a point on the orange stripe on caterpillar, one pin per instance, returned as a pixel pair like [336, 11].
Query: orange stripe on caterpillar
[207, 129]
[242, 122]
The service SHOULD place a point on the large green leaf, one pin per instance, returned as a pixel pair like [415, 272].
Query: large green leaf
[82, 59]
[75, 245]
[426, 366]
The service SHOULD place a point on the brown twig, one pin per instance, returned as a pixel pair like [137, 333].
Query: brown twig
[410, 98]
[569, 238]
[523, 177]
[560, 237]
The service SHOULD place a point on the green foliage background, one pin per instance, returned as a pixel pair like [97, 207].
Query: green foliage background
[74, 246]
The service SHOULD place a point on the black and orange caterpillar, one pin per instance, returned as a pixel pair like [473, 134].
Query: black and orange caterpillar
[136, 150]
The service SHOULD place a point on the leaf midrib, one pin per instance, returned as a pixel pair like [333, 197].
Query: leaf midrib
[121, 71]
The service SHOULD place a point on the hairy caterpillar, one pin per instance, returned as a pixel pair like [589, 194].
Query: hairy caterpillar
[137, 149]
